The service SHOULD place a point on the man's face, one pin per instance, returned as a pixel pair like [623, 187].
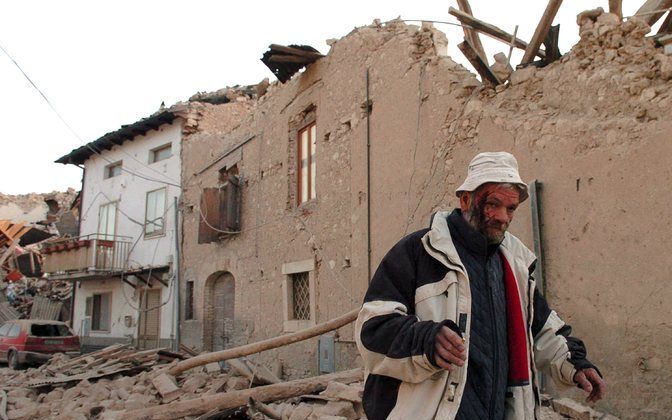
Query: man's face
[490, 209]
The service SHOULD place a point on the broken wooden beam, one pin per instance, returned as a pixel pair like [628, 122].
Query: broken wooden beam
[542, 29]
[271, 343]
[470, 33]
[652, 10]
[487, 76]
[665, 28]
[491, 30]
[264, 409]
[264, 394]
[616, 7]
[277, 58]
[295, 51]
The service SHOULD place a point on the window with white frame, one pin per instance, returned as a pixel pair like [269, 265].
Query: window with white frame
[154, 212]
[99, 310]
[299, 295]
[112, 170]
[107, 220]
[160, 153]
[307, 144]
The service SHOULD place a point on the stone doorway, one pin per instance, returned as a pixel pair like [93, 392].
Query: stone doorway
[219, 311]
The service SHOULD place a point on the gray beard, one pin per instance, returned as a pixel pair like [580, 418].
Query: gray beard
[474, 216]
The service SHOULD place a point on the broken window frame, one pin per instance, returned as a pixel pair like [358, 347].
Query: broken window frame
[113, 170]
[158, 154]
[149, 198]
[306, 146]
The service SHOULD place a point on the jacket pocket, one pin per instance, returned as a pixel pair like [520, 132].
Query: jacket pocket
[437, 301]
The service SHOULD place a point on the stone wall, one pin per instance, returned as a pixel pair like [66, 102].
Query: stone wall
[591, 127]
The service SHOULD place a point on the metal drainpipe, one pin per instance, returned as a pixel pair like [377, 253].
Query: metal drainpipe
[368, 178]
[176, 304]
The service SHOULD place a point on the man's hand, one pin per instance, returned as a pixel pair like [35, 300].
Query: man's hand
[449, 349]
[591, 382]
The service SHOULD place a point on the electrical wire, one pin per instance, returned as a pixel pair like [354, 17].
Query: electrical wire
[63, 120]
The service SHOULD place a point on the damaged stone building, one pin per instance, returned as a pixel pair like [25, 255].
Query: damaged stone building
[282, 196]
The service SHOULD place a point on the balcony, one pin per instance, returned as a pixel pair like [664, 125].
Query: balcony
[86, 256]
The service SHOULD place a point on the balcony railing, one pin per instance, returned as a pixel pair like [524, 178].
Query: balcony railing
[90, 253]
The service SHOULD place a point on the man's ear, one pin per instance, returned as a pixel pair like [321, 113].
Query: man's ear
[465, 200]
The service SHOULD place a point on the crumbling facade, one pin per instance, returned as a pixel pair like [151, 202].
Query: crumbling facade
[288, 248]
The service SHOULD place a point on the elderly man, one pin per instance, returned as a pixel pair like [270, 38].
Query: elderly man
[452, 325]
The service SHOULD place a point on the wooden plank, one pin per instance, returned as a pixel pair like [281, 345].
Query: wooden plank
[14, 230]
[616, 7]
[482, 68]
[471, 34]
[271, 343]
[650, 10]
[542, 30]
[666, 27]
[8, 252]
[295, 51]
[264, 394]
[491, 30]
[275, 58]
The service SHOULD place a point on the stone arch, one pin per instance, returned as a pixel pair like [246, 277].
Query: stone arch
[218, 311]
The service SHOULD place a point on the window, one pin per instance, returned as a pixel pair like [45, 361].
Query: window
[306, 163]
[189, 301]
[299, 295]
[220, 208]
[49, 330]
[161, 153]
[107, 220]
[5, 329]
[14, 331]
[98, 308]
[154, 212]
[112, 170]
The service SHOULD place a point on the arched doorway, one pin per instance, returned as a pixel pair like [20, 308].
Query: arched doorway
[220, 289]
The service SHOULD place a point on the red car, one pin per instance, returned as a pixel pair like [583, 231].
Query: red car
[33, 341]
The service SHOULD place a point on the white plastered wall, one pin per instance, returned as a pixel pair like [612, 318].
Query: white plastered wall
[130, 191]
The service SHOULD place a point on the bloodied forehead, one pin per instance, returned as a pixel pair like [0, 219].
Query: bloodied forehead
[506, 194]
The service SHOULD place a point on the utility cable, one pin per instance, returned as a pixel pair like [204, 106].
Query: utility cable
[63, 120]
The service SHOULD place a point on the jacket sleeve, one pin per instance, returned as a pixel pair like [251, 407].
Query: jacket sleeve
[390, 337]
[556, 352]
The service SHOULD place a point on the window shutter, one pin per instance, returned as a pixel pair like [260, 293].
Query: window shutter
[233, 197]
[210, 215]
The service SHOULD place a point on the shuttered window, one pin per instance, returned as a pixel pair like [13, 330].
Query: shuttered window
[220, 209]
[306, 162]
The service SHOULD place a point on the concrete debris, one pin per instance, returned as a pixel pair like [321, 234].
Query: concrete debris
[115, 381]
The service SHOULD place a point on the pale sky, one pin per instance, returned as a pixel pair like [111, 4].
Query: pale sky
[104, 64]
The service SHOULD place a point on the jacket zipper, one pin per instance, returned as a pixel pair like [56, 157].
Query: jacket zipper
[495, 364]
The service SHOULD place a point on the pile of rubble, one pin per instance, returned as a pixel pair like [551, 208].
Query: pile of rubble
[23, 294]
[113, 382]
[119, 382]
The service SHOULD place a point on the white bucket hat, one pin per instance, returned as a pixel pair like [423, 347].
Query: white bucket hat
[499, 167]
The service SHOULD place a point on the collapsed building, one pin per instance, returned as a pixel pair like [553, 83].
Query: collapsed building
[365, 144]
[27, 222]
[292, 193]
